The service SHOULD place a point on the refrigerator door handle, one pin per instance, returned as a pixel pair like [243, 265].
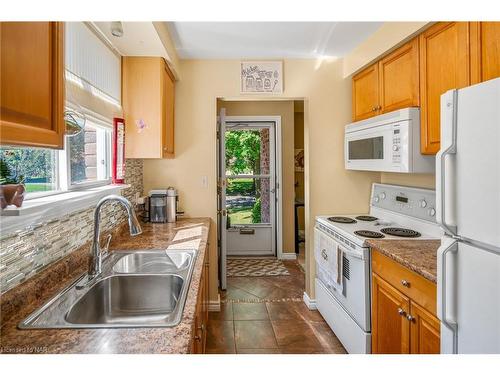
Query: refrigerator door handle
[448, 147]
[449, 246]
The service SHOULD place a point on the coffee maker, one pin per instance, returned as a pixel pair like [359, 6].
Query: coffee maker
[158, 206]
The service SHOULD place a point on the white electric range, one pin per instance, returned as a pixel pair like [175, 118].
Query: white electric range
[343, 282]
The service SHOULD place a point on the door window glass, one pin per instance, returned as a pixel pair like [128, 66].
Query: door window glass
[247, 152]
[248, 201]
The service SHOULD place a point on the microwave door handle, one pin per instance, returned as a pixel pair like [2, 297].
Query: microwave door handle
[448, 147]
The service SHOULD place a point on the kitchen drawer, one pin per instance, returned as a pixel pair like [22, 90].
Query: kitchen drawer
[406, 281]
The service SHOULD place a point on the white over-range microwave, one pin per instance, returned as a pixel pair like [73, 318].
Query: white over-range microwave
[387, 143]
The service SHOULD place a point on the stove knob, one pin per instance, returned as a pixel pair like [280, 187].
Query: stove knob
[432, 212]
[382, 196]
[395, 148]
[423, 203]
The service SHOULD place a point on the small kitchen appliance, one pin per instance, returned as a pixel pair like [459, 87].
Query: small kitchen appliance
[172, 201]
[158, 206]
[343, 285]
[387, 143]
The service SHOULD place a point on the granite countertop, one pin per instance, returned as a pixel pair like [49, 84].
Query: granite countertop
[419, 256]
[22, 300]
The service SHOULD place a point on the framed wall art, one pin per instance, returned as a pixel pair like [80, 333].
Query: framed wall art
[261, 77]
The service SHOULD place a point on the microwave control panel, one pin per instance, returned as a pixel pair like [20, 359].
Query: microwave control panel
[396, 144]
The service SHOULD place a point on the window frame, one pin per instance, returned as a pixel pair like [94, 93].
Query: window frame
[62, 166]
[105, 148]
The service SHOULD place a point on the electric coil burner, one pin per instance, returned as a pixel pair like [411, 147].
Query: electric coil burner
[366, 218]
[369, 234]
[401, 232]
[341, 220]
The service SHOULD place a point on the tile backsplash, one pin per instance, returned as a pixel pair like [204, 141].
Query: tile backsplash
[24, 253]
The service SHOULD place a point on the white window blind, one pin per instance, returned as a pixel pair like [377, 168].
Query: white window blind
[92, 61]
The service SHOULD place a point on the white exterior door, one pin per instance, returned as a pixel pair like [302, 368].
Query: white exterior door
[249, 187]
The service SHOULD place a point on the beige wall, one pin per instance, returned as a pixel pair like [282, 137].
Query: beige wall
[285, 110]
[427, 181]
[329, 187]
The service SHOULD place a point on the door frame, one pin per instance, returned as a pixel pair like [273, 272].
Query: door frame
[279, 183]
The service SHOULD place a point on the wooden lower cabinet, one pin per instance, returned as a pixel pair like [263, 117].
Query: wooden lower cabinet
[424, 331]
[400, 325]
[199, 328]
[390, 328]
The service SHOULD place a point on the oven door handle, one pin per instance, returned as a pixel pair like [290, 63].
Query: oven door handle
[346, 251]
[349, 252]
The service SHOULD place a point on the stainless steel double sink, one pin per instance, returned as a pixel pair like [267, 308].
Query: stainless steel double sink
[135, 289]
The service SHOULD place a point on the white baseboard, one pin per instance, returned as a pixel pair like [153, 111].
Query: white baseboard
[214, 305]
[310, 303]
[288, 256]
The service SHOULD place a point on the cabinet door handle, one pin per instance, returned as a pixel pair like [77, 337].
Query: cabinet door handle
[374, 109]
[405, 283]
[401, 311]
[410, 318]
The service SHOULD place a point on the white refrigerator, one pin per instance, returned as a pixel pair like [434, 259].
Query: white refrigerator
[468, 210]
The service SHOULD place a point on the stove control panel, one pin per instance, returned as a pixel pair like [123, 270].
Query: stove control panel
[415, 202]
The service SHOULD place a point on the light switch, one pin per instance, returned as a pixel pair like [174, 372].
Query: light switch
[204, 181]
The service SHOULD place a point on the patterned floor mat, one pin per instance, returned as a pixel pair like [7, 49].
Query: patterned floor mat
[255, 267]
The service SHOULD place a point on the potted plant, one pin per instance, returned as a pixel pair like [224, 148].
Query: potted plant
[11, 187]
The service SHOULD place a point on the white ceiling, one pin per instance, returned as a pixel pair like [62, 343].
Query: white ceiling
[253, 40]
[139, 39]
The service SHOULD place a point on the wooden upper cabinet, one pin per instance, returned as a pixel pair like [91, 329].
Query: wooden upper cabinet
[390, 327]
[444, 65]
[32, 84]
[168, 113]
[399, 78]
[485, 51]
[148, 106]
[365, 93]
[390, 84]
[424, 331]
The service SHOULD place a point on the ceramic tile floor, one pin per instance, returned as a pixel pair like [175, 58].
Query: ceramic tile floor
[266, 315]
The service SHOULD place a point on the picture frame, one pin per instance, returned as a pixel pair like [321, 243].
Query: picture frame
[261, 77]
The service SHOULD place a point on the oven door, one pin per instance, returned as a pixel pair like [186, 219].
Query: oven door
[375, 149]
[355, 296]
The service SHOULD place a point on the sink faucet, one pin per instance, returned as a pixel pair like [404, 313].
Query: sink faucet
[95, 261]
